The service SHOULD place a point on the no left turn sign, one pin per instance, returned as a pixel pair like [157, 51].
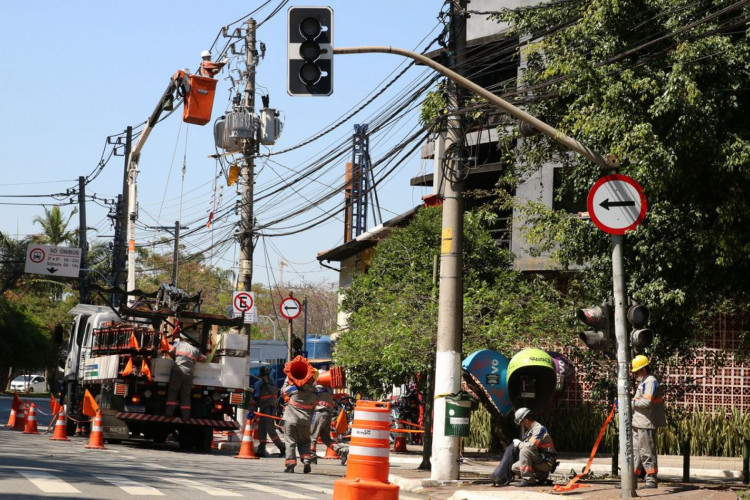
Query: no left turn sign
[290, 308]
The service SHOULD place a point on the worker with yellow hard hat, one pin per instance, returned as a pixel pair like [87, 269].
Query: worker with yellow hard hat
[648, 415]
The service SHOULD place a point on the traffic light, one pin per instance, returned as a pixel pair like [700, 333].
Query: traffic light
[640, 336]
[596, 318]
[310, 51]
[297, 346]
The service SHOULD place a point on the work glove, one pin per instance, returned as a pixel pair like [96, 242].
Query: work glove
[516, 442]
[617, 404]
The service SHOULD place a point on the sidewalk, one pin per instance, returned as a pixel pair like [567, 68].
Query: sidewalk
[711, 478]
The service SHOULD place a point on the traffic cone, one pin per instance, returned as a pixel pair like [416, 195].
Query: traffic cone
[247, 449]
[61, 428]
[367, 466]
[96, 438]
[13, 410]
[20, 423]
[31, 422]
[330, 452]
[399, 444]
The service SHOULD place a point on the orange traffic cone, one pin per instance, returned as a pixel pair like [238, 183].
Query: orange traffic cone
[31, 422]
[61, 428]
[96, 438]
[247, 449]
[330, 452]
[20, 423]
[13, 410]
[367, 467]
[399, 444]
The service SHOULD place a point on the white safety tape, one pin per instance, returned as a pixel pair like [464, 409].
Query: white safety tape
[372, 416]
[367, 451]
[370, 434]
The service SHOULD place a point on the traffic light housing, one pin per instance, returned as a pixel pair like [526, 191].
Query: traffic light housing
[597, 318]
[641, 336]
[310, 51]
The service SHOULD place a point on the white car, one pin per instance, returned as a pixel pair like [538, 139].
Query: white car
[29, 383]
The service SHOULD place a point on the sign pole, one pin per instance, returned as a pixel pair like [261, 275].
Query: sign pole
[627, 478]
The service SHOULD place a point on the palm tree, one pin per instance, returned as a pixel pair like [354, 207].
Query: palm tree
[54, 227]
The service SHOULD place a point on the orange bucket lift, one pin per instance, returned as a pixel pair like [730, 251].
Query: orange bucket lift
[199, 100]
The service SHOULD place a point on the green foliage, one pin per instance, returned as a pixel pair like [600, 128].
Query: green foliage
[674, 109]
[393, 307]
[24, 342]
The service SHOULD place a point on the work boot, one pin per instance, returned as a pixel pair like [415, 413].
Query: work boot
[526, 483]
[282, 449]
[261, 451]
[313, 458]
[651, 482]
[289, 468]
[307, 469]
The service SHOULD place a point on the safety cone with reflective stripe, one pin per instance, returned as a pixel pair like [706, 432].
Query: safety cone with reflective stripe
[20, 423]
[13, 411]
[247, 449]
[330, 451]
[96, 438]
[61, 428]
[399, 444]
[367, 467]
[31, 422]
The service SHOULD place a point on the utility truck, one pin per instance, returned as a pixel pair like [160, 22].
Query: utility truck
[121, 357]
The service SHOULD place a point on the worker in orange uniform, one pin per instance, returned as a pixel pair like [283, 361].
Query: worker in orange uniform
[266, 398]
[321, 426]
[185, 356]
[209, 68]
[648, 415]
[297, 420]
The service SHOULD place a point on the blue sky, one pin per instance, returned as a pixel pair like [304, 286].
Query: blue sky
[80, 71]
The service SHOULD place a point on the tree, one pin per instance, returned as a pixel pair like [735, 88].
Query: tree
[54, 227]
[12, 261]
[393, 307]
[663, 85]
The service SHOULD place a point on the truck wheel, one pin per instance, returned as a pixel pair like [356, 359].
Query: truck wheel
[203, 438]
[186, 439]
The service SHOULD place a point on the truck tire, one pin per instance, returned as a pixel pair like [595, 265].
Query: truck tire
[204, 436]
[186, 438]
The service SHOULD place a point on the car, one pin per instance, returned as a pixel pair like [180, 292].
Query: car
[29, 383]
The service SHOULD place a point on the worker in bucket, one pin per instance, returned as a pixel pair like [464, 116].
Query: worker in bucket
[537, 457]
[321, 427]
[185, 356]
[209, 68]
[298, 414]
[648, 415]
[266, 399]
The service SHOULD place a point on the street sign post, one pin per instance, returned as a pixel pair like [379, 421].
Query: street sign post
[290, 308]
[245, 302]
[53, 260]
[616, 204]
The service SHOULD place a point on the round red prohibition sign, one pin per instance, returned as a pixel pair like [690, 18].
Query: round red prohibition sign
[290, 308]
[616, 204]
[37, 255]
[243, 302]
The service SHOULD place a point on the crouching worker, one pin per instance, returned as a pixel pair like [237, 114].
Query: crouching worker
[301, 397]
[537, 457]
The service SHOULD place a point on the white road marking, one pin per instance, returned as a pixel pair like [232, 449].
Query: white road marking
[131, 487]
[316, 489]
[275, 491]
[47, 482]
[210, 490]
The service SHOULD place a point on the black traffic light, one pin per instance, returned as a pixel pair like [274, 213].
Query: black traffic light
[310, 51]
[297, 346]
[596, 318]
[641, 336]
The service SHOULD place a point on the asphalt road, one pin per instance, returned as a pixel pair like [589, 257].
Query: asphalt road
[33, 466]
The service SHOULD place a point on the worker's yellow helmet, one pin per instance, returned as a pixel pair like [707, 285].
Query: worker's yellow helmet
[639, 362]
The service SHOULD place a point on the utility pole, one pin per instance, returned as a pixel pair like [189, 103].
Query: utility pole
[121, 223]
[83, 286]
[445, 449]
[247, 173]
[175, 232]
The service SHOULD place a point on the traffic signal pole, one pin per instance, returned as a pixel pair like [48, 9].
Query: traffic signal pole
[450, 304]
[627, 478]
